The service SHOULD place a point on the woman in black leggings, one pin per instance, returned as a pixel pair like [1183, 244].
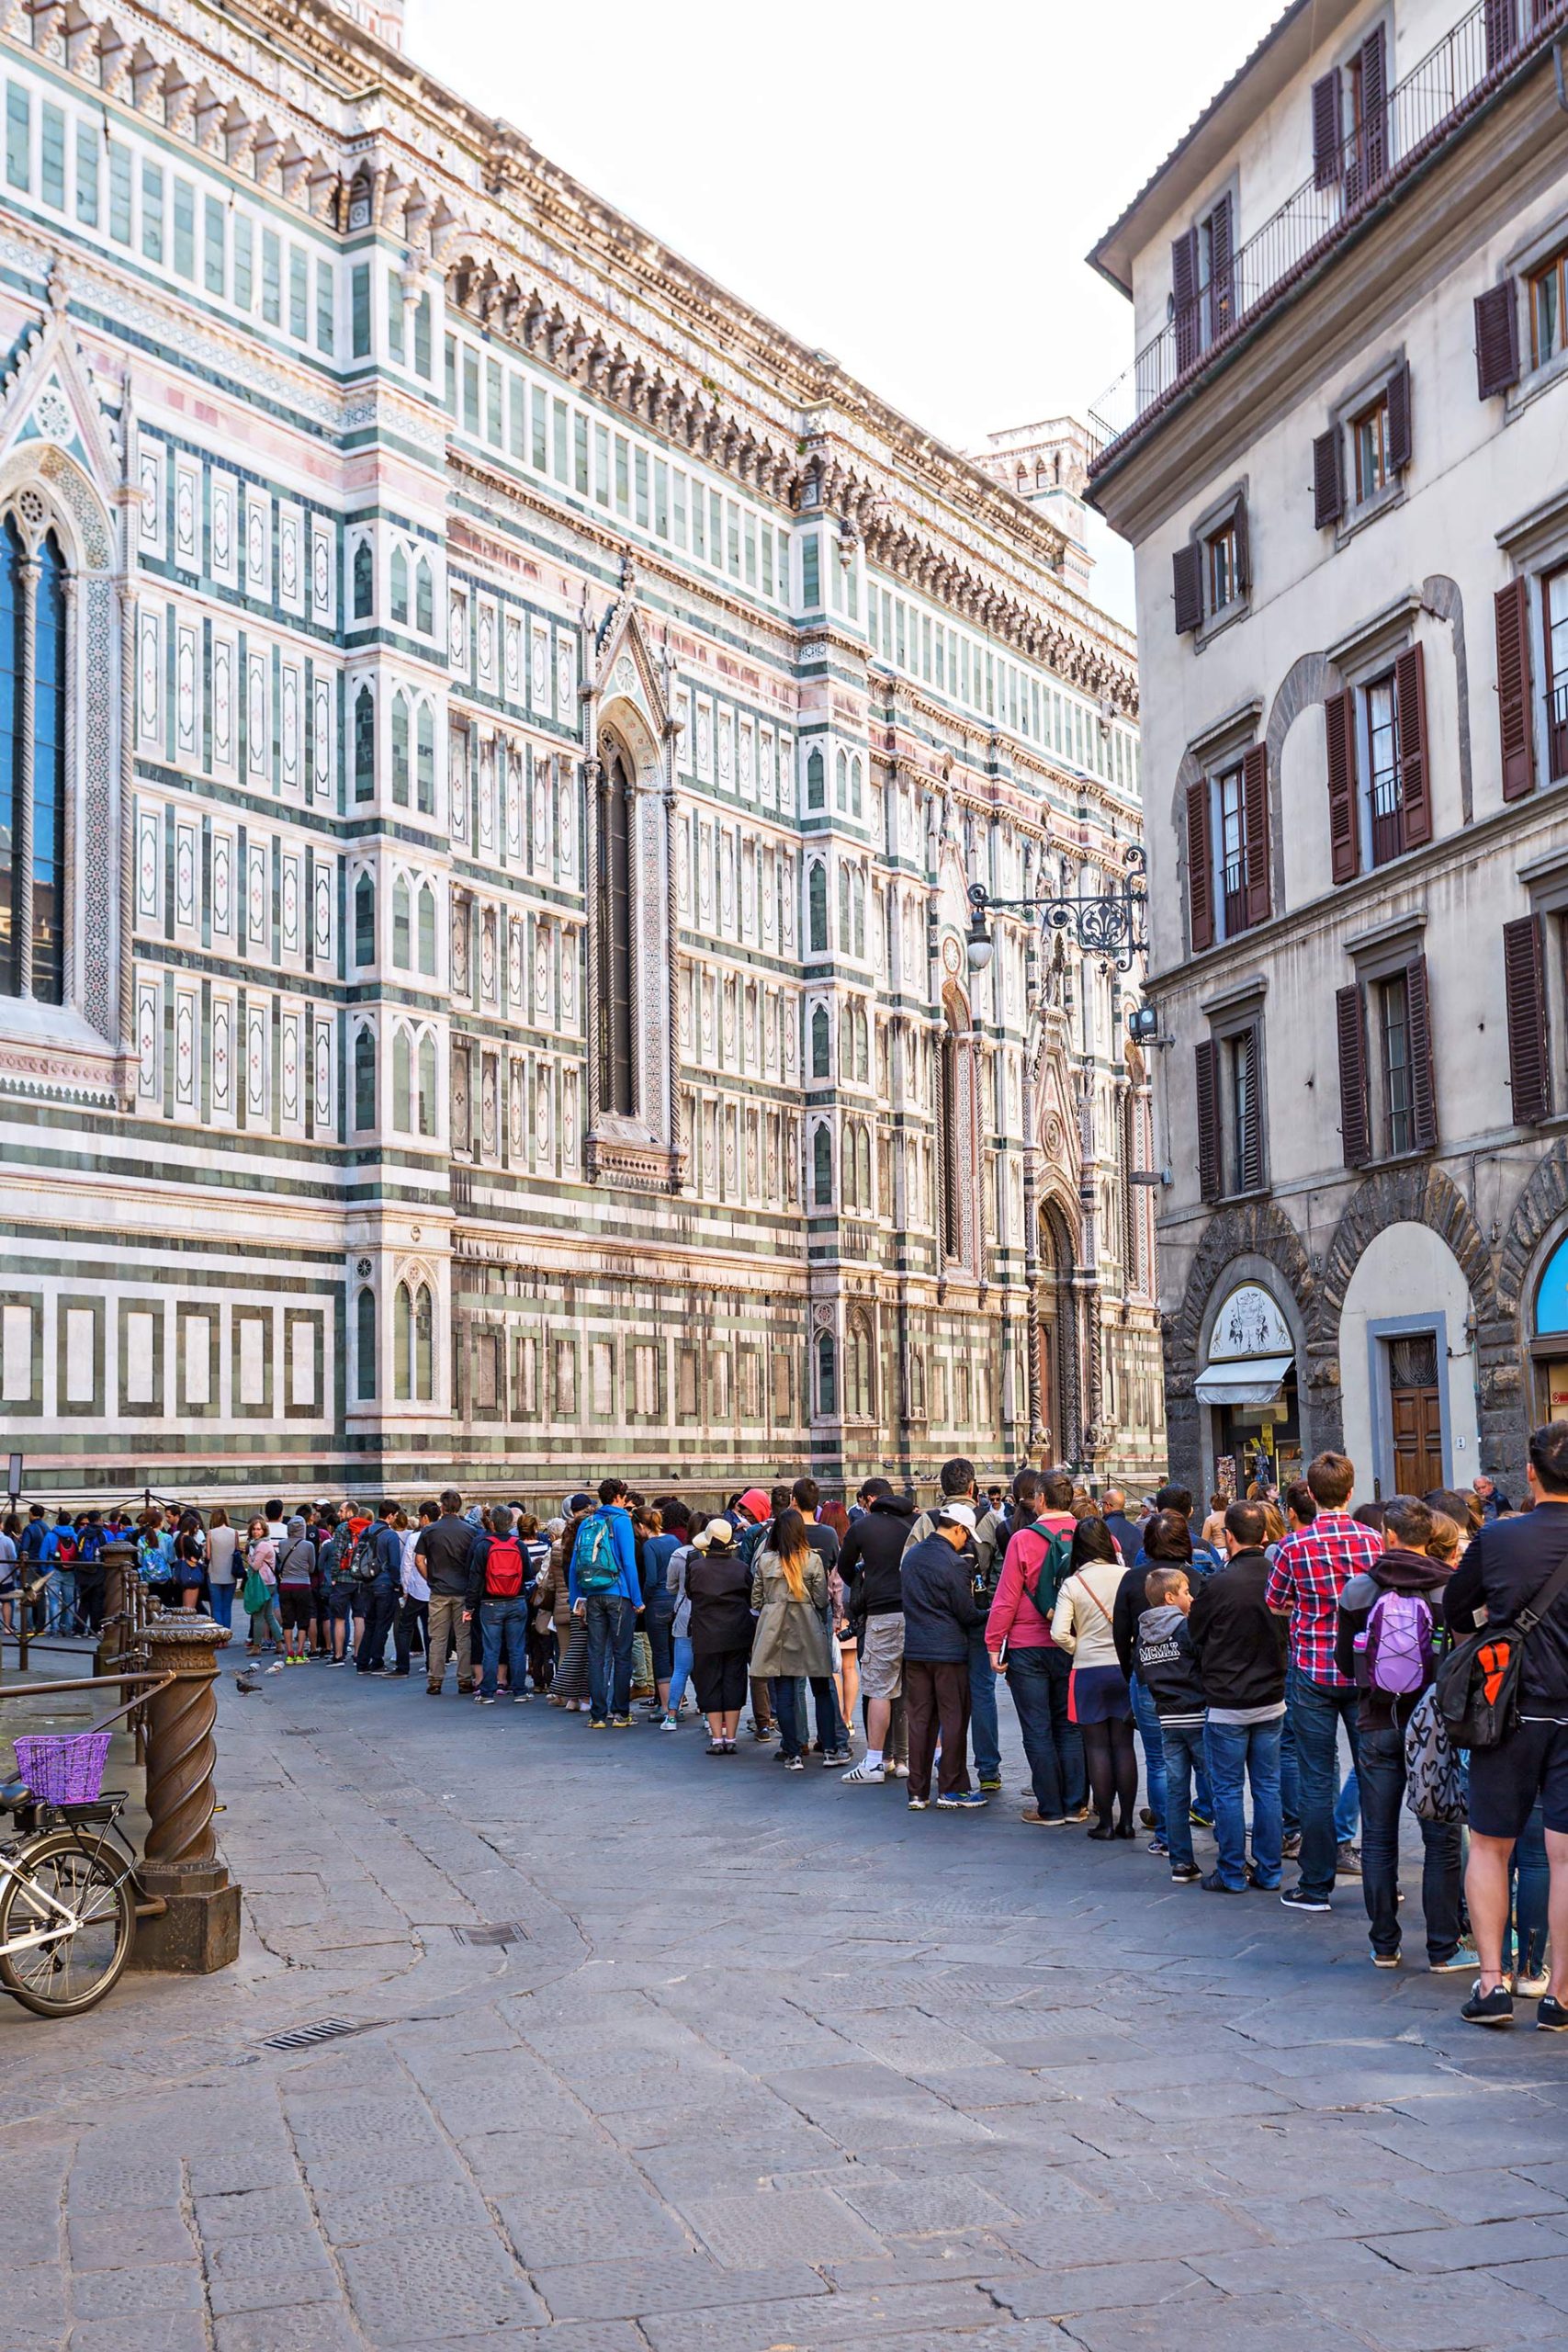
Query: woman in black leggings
[1097, 1698]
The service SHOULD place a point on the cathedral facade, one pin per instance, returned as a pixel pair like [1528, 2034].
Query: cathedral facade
[497, 743]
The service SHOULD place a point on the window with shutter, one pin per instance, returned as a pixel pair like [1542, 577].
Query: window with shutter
[1254, 800]
[1184, 293]
[1355, 1123]
[1399, 420]
[1368, 76]
[1546, 299]
[1343, 839]
[1511, 607]
[1328, 482]
[1524, 982]
[1328, 147]
[1217, 230]
[1243, 549]
[1244, 1056]
[1414, 779]
[1554, 637]
[1496, 339]
[1423, 1089]
[1200, 868]
[1206, 1084]
[1187, 570]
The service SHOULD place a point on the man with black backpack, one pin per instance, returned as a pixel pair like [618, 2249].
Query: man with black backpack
[1514, 1582]
[375, 1566]
[496, 1578]
[1386, 1643]
[1018, 1642]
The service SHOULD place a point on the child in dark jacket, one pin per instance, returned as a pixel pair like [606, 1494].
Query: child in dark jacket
[1169, 1671]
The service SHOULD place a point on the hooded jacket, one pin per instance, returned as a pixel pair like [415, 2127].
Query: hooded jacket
[1394, 1571]
[1162, 1654]
[1238, 1641]
[869, 1561]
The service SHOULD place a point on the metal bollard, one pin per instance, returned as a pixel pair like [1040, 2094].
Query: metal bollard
[200, 1929]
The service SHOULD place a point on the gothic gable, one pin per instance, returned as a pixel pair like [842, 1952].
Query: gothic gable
[50, 403]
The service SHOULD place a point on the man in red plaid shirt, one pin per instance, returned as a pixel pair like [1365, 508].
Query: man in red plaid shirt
[1310, 1570]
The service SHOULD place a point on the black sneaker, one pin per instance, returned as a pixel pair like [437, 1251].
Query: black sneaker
[1185, 1873]
[1495, 2007]
[1296, 1898]
[1214, 1885]
[1291, 1845]
[1551, 2015]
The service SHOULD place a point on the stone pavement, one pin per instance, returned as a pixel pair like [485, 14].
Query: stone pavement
[651, 2053]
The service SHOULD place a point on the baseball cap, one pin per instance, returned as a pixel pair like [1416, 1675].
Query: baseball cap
[957, 1515]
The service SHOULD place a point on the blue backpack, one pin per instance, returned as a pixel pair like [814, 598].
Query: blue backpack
[597, 1567]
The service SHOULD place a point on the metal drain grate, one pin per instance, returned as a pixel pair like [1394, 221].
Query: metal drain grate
[504, 1931]
[305, 2037]
[300, 1731]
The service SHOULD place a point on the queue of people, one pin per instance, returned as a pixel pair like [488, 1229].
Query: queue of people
[1247, 1662]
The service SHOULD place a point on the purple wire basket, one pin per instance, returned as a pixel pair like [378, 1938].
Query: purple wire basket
[64, 1767]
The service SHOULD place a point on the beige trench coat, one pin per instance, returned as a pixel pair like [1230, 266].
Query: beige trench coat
[791, 1636]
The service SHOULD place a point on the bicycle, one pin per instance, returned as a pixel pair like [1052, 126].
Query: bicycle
[67, 1901]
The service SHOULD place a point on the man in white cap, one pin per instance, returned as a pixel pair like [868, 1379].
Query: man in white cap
[940, 1608]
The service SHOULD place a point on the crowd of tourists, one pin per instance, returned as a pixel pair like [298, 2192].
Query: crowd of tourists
[1276, 1664]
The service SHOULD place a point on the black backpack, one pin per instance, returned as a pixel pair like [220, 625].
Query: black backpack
[364, 1566]
[1478, 1682]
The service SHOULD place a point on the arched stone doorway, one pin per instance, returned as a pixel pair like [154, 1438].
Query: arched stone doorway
[1057, 1338]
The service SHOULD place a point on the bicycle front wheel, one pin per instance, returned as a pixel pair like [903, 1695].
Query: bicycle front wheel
[70, 1972]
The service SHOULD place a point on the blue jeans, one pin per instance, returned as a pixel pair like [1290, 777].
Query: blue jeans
[1380, 1766]
[783, 1692]
[1316, 1711]
[1252, 1750]
[1147, 1721]
[505, 1622]
[1037, 1679]
[60, 1598]
[612, 1621]
[1531, 1879]
[985, 1738]
[222, 1599]
[1348, 1809]
[1183, 1748]
[679, 1672]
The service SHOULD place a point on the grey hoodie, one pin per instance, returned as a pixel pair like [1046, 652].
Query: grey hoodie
[1167, 1668]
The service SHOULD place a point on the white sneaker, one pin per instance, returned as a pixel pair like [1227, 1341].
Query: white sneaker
[1532, 1987]
[900, 1771]
[865, 1776]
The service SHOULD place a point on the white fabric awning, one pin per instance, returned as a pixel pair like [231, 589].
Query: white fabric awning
[1249, 1380]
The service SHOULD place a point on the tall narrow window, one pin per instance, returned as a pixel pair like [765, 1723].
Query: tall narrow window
[364, 920]
[364, 582]
[1555, 615]
[364, 1080]
[32, 771]
[399, 586]
[402, 1082]
[819, 1042]
[424, 758]
[400, 750]
[427, 1085]
[617, 1087]
[364, 745]
[49, 779]
[1233, 851]
[402, 925]
[364, 1347]
[13, 757]
[424, 597]
[1399, 1107]
[947, 1117]
[816, 897]
[402, 1344]
[1382, 770]
[427, 930]
[816, 787]
[423, 1345]
[822, 1169]
[827, 1376]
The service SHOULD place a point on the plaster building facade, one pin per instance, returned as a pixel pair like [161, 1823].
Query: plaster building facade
[1339, 456]
[497, 740]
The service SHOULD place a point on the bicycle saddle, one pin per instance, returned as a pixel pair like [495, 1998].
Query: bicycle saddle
[13, 1793]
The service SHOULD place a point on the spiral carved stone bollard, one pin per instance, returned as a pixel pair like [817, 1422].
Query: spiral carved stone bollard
[119, 1567]
[199, 1928]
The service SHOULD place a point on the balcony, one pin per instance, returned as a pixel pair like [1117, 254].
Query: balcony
[1430, 106]
[1557, 733]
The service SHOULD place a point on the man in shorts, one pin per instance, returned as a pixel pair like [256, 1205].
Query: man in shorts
[870, 1571]
[1506, 1568]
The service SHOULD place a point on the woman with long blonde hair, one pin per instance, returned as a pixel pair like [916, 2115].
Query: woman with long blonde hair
[789, 1593]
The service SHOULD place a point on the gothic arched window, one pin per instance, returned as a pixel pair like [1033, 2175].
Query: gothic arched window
[364, 745]
[822, 1168]
[400, 750]
[617, 1067]
[857, 1367]
[363, 580]
[854, 785]
[401, 911]
[423, 1345]
[841, 780]
[816, 781]
[862, 1167]
[364, 1078]
[427, 1084]
[365, 1345]
[817, 903]
[364, 920]
[424, 597]
[427, 930]
[819, 1042]
[402, 1082]
[424, 761]
[33, 769]
[826, 1375]
[399, 586]
[402, 1344]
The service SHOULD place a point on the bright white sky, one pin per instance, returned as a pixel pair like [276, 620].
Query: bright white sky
[911, 188]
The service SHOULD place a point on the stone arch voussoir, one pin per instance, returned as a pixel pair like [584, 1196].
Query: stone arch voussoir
[1415, 1195]
[1253, 1228]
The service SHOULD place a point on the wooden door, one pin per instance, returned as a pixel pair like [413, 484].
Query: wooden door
[1416, 1414]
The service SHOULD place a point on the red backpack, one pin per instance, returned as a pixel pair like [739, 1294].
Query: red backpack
[504, 1571]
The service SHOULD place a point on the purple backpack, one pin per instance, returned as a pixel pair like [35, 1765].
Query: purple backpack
[1396, 1647]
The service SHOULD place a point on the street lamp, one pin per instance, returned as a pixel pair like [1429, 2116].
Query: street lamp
[1112, 924]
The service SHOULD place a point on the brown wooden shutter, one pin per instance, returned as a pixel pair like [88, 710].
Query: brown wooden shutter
[1399, 444]
[1200, 868]
[1327, 481]
[1328, 138]
[1496, 339]
[1184, 287]
[1355, 1119]
[1249, 1141]
[1423, 1091]
[1501, 21]
[1187, 572]
[1222, 268]
[1415, 778]
[1513, 616]
[1344, 840]
[1243, 549]
[1524, 984]
[1255, 829]
[1375, 107]
[1206, 1085]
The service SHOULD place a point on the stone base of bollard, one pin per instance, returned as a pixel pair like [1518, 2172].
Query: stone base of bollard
[199, 1930]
